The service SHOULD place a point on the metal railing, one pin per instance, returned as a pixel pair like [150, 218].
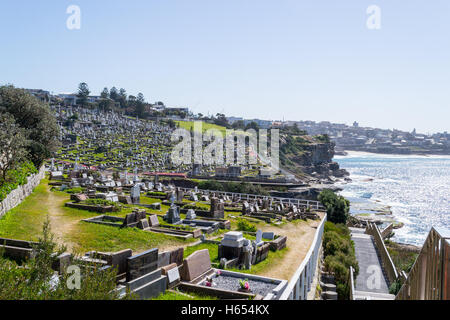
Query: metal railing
[300, 283]
[313, 204]
[351, 282]
[388, 264]
[429, 278]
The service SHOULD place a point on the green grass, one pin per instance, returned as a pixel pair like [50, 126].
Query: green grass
[25, 221]
[212, 248]
[174, 296]
[272, 258]
[90, 236]
[205, 126]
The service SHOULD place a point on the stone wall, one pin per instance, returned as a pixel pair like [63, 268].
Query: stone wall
[15, 197]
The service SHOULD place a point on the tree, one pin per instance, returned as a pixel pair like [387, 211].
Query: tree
[114, 94]
[221, 120]
[122, 98]
[12, 142]
[337, 206]
[35, 118]
[106, 104]
[252, 125]
[105, 93]
[83, 93]
[140, 105]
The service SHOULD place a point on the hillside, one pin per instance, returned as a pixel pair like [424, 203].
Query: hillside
[310, 158]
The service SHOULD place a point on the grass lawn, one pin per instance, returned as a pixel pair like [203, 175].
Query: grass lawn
[25, 221]
[272, 258]
[90, 236]
[169, 295]
[205, 126]
[212, 248]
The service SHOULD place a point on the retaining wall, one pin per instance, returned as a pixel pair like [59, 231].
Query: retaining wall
[15, 197]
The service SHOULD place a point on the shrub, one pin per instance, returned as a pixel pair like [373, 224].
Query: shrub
[339, 255]
[196, 206]
[33, 279]
[74, 190]
[337, 206]
[16, 177]
[395, 287]
[102, 202]
[244, 225]
[156, 194]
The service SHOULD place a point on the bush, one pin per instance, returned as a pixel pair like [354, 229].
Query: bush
[337, 206]
[74, 190]
[102, 202]
[339, 255]
[16, 177]
[395, 287]
[244, 225]
[156, 194]
[196, 206]
[33, 279]
[230, 186]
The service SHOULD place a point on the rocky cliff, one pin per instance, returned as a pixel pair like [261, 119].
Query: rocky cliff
[310, 158]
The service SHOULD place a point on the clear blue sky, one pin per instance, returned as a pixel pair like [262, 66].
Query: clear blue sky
[297, 60]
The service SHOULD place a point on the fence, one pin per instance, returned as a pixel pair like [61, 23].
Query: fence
[300, 283]
[386, 260]
[316, 205]
[429, 278]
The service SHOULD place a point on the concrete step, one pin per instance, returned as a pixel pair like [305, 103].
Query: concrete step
[329, 295]
[364, 295]
[327, 286]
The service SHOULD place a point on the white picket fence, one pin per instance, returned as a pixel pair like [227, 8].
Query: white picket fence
[300, 283]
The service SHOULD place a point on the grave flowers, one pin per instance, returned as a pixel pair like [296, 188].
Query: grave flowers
[244, 285]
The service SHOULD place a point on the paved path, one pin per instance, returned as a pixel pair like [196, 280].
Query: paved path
[371, 282]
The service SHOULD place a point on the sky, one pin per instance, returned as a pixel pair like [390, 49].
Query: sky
[284, 59]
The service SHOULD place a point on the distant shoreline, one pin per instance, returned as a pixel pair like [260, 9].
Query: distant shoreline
[352, 153]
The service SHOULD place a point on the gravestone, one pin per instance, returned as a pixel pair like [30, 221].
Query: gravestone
[248, 252]
[136, 194]
[245, 208]
[173, 215]
[268, 235]
[231, 245]
[179, 195]
[191, 214]
[176, 256]
[149, 285]
[163, 259]
[143, 224]
[217, 208]
[259, 241]
[196, 265]
[153, 220]
[173, 277]
[141, 264]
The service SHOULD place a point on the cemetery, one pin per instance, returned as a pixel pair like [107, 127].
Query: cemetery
[158, 236]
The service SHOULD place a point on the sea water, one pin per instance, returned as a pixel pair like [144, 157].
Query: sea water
[417, 188]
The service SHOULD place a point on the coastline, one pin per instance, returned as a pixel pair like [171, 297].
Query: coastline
[398, 194]
[354, 154]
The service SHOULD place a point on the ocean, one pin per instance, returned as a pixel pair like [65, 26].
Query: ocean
[416, 188]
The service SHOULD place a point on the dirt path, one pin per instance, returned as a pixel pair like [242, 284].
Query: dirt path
[299, 241]
[60, 225]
